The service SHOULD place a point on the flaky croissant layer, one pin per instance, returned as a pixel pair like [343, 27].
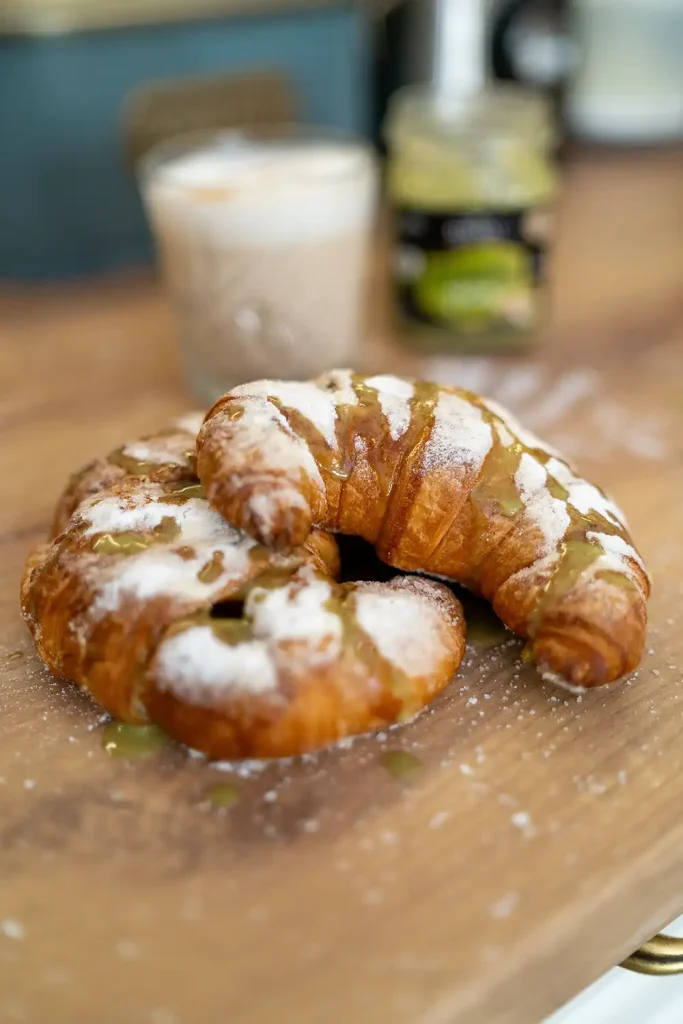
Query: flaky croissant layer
[444, 482]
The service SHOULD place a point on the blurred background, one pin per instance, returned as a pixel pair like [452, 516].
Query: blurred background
[87, 85]
[504, 168]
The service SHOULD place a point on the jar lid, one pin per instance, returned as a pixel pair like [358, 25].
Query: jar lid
[498, 112]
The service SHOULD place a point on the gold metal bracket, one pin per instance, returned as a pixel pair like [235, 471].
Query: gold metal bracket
[663, 954]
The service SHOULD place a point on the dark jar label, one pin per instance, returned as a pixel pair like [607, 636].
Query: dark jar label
[472, 273]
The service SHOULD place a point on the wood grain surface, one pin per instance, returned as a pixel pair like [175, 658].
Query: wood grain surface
[541, 837]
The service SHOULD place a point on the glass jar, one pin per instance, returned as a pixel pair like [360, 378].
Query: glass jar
[263, 242]
[472, 182]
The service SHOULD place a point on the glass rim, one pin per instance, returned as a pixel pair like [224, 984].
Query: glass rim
[298, 134]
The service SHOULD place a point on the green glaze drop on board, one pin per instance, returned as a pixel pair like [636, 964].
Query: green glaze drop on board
[485, 630]
[122, 740]
[528, 654]
[226, 794]
[400, 764]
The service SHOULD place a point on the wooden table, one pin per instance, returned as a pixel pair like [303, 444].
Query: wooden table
[542, 838]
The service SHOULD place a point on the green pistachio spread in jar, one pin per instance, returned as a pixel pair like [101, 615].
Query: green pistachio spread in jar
[472, 183]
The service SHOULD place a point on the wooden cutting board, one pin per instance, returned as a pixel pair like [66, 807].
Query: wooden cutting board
[540, 836]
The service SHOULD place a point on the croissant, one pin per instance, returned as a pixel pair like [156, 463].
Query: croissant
[441, 482]
[168, 455]
[165, 613]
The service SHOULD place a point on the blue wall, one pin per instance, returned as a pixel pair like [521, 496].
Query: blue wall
[67, 205]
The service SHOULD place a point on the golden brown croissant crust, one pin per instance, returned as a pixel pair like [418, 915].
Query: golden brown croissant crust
[443, 482]
[165, 613]
[168, 455]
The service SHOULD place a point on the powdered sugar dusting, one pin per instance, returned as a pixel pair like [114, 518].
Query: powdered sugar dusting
[313, 402]
[549, 515]
[115, 514]
[551, 518]
[145, 509]
[616, 545]
[460, 435]
[515, 427]
[266, 508]
[160, 569]
[394, 395]
[343, 386]
[291, 628]
[197, 666]
[407, 629]
[254, 440]
[171, 451]
[584, 497]
[506, 437]
[297, 611]
[530, 477]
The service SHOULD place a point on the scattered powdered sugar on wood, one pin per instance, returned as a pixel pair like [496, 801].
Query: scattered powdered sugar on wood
[571, 389]
[246, 769]
[548, 400]
[460, 435]
[394, 395]
[613, 424]
[505, 906]
[517, 384]
[12, 929]
[518, 429]
[522, 821]
[196, 666]
[474, 374]
[408, 629]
